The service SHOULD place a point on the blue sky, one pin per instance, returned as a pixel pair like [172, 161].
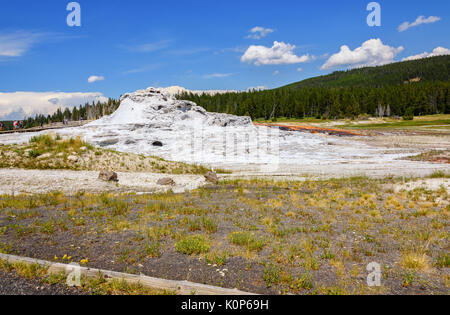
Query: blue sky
[203, 44]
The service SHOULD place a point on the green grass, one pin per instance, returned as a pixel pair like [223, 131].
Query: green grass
[247, 240]
[401, 124]
[440, 174]
[443, 261]
[292, 120]
[442, 121]
[271, 275]
[193, 245]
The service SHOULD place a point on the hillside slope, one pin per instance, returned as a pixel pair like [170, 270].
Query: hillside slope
[433, 69]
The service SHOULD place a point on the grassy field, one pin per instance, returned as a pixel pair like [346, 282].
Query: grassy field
[313, 237]
[442, 121]
[435, 121]
[292, 120]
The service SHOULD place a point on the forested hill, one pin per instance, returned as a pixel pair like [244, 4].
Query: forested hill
[419, 87]
[426, 70]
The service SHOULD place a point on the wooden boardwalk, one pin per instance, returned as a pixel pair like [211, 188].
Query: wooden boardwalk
[46, 127]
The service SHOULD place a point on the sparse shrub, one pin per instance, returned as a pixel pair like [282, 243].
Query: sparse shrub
[194, 225]
[414, 261]
[216, 258]
[153, 248]
[34, 154]
[209, 224]
[305, 282]
[271, 275]
[409, 114]
[21, 231]
[408, 278]
[443, 261]
[327, 254]
[42, 139]
[248, 240]
[48, 227]
[193, 245]
[439, 174]
[120, 207]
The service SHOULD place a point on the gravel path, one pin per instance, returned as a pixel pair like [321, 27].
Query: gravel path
[16, 181]
[13, 284]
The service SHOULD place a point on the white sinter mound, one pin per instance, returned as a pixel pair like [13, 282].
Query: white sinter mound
[152, 122]
[155, 108]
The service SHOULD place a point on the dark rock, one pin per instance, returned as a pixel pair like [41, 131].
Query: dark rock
[211, 177]
[108, 176]
[157, 144]
[130, 141]
[108, 142]
[166, 182]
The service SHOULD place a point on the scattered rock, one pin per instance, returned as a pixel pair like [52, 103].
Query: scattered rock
[130, 141]
[72, 158]
[166, 182]
[108, 176]
[44, 156]
[211, 177]
[109, 142]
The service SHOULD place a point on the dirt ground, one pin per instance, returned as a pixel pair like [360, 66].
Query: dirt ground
[13, 284]
[312, 237]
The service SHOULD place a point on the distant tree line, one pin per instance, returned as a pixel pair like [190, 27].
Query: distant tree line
[83, 112]
[331, 103]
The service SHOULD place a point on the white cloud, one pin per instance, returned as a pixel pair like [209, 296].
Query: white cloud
[16, 44]
[420, 20]
[279, 54]
[217, 75]
[438, 51]
[148, 47]
[299, 69]
[259, 32]
[276, 72]
[146, 68]
[371, 53]
[95, 78]
[17, 105]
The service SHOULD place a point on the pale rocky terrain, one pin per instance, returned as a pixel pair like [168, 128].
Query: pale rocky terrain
[19, 181]
[423, 183]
